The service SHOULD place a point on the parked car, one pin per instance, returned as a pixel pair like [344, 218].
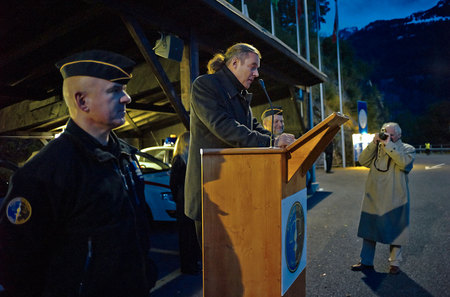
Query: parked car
[163, 153]
[157, 187]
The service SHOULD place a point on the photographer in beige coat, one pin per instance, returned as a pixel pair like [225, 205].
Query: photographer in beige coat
[385, 207]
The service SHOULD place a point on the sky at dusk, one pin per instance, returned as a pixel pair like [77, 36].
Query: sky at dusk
[359, 13]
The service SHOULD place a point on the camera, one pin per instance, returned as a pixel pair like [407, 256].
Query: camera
[382, 135]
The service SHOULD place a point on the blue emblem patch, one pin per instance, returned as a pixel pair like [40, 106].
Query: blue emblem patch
[18, 210]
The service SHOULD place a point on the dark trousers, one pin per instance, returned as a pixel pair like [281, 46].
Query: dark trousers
[190, 252]
[329, 160]
[198, 230]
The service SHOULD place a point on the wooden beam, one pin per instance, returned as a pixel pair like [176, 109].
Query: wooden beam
[150, 107]
[29, 135]
[189, 69]
[132, 123]
[150, 57]
[22, 93]
[23, 116]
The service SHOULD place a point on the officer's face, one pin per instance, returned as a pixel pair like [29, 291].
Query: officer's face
[246, 71]
[278, 124]
[106, 103]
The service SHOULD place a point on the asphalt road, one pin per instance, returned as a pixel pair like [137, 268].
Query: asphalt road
[333, 216]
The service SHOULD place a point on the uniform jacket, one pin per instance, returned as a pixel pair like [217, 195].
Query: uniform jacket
[87, 230]
[220, 117]
[385, 207]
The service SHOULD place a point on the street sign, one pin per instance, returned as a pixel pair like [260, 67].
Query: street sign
[362, 117]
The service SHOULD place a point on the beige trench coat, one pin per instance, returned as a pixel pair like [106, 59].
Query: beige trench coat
[385, 207]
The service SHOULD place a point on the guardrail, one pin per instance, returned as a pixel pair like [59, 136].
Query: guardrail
[441, 148]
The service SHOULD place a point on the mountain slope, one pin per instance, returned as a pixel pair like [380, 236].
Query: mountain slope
[410, 58]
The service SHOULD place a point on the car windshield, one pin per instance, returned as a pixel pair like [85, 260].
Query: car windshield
[163, 153]
[150, 164]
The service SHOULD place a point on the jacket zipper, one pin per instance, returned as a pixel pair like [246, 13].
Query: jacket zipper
[87, 263]
[133, 185]
[119, 172]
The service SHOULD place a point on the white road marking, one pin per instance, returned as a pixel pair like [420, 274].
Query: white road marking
[167, 252]
[434, 167]
[166, 279]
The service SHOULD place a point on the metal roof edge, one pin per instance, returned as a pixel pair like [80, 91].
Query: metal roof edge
[259, 31]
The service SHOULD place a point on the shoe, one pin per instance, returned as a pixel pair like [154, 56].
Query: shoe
[394, 270]
[361, 267]
[330, 171]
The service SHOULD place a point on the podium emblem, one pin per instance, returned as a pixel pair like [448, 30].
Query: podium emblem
[293, 238]
[295, 235]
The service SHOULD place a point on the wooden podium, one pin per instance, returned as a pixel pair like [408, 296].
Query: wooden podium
[254, 216]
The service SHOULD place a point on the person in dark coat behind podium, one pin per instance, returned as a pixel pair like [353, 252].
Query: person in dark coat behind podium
[329, 157]
[75, 221]
[221, 116]
[190, 253]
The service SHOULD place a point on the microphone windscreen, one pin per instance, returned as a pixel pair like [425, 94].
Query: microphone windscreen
[262, 83]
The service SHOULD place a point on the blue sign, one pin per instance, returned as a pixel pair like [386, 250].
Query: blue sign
[362, 117]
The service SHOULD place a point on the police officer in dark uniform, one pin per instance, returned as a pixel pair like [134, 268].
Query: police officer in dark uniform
[75, 221]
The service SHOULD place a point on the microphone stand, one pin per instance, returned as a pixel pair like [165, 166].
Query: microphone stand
[261, 82]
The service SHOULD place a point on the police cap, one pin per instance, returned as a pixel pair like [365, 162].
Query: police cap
[268, 112]
[97, 63]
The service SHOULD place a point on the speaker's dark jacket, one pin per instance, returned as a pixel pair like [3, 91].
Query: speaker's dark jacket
[220, 117]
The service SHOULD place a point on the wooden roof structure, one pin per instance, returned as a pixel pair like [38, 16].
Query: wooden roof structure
[37, 34]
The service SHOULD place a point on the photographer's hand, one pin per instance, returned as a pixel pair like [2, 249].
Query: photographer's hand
[376, 138]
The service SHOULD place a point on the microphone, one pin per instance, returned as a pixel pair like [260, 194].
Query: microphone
[261, 82]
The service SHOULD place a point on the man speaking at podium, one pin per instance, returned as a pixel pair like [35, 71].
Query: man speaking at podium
[221, 117]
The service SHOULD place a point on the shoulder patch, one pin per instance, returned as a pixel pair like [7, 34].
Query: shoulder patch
[18, 211]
